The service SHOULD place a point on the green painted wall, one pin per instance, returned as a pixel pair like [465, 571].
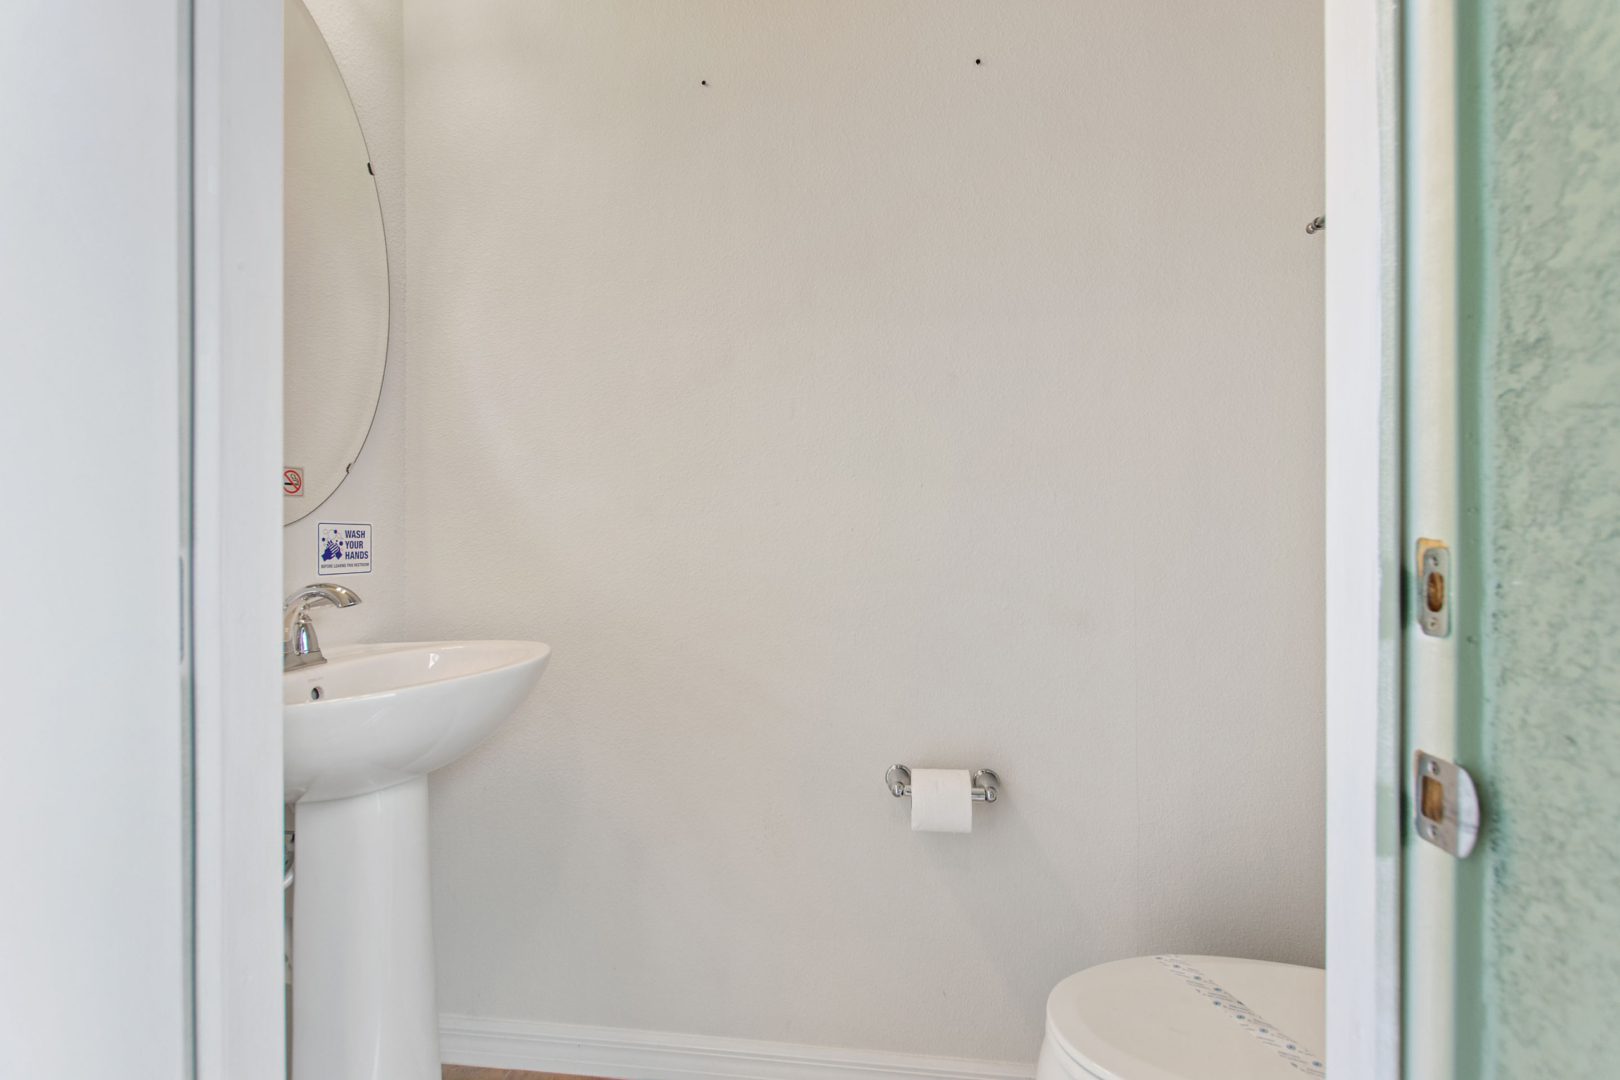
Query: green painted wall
[1540, 143]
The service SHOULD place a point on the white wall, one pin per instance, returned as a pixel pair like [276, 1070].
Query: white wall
[868, 404]
[92, 928]
[366, 38]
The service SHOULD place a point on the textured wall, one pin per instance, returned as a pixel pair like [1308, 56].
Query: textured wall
[1549, 408]
[868, 404]
[367, 41]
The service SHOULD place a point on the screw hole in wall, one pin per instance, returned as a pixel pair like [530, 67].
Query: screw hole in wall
[314, 693]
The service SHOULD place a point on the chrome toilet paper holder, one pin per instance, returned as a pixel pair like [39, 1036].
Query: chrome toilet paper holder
[985, 783]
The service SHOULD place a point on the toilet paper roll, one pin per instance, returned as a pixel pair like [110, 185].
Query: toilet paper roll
[941, 800]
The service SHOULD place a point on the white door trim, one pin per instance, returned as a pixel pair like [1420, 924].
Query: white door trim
[236, 536]
[1363, 570]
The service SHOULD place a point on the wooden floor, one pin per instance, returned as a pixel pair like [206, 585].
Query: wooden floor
[468, 1072]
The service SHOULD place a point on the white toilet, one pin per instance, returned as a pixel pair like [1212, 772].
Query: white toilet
[1185, 1018]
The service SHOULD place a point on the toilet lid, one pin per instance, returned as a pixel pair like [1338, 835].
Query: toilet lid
[1191, 1018]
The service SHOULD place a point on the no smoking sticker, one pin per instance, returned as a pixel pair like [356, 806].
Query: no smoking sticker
[292, 481]
[343, 548]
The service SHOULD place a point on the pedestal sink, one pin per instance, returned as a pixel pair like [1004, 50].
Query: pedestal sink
[363, 730]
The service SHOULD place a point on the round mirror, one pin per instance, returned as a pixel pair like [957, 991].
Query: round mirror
[335, 313]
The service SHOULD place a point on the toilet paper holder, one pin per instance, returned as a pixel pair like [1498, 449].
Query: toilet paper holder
[985, 783]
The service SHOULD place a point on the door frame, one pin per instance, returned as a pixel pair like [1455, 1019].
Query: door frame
[236, 176]
[1362, 76]
[235, 329]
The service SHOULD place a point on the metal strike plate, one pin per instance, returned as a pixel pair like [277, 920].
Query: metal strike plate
[1434, 587]
[1446, 805]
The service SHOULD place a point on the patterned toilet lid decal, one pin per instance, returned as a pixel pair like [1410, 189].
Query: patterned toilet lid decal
[1306, 1061]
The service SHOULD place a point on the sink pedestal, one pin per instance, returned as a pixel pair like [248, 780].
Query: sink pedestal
[363, 1005]
[360, 733]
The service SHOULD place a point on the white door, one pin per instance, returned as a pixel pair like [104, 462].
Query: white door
[94, 931]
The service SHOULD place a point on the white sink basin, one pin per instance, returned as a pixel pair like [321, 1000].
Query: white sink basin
[377, 715]
[363, 730]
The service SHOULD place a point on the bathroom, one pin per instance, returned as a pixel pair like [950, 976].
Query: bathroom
[918, 517]
[771, 363]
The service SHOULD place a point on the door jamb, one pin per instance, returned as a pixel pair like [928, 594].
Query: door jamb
[236, 182]
[1363, 566]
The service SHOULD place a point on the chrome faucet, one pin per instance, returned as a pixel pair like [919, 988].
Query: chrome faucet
[299, 646]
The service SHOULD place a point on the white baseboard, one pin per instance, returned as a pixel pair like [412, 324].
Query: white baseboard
[623, 1054]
